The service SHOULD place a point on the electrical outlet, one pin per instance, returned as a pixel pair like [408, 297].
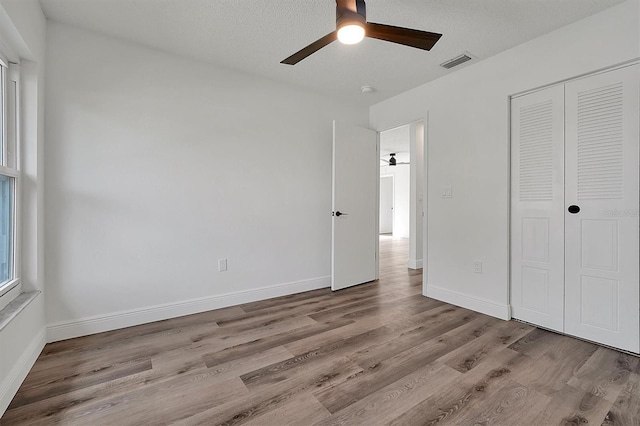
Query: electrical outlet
[222, 265]
[477, 266]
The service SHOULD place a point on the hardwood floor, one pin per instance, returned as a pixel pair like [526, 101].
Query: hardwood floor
[375, 354]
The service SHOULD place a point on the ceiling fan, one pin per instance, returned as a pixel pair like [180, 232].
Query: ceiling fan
[392, 160]
[352, 27]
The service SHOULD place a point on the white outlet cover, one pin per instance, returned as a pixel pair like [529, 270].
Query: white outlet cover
[222, 265]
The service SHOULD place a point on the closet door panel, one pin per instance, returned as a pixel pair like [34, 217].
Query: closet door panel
[602, 300]
[537, 198]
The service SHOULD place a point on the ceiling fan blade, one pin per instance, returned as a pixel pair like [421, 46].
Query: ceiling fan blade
[414, 38]
[386, 161]
[312, 48]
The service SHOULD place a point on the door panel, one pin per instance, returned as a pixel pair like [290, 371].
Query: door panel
[602, 244]
[537, 220]
[355, 196]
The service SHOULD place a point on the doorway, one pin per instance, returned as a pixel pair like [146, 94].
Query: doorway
[400, 197]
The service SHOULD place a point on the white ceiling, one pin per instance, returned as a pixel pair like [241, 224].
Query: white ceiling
[255, 35]
[397, 141]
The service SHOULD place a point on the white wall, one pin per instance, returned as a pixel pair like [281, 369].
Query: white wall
[468, 147]
[158, 166]
[21, 341]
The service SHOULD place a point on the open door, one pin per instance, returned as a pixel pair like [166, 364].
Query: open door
[355, 206]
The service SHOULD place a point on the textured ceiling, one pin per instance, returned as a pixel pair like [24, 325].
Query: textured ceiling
[255, 35]
[395, 140]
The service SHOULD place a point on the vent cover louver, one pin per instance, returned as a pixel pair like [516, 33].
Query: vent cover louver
[457, 61]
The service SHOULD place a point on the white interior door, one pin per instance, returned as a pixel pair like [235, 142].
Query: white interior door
[386, 204]
[355, 206]
[537, 199]
[602, 274]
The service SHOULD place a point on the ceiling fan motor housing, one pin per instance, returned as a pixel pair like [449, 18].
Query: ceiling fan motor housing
[349, 12]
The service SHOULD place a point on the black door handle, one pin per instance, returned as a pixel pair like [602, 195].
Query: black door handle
[574, 209]
[339, 213]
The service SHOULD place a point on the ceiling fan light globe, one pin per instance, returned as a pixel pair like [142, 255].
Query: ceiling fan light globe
[351, 34]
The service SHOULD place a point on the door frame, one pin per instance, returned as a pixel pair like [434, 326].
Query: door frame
[425, 125]
[378, 204]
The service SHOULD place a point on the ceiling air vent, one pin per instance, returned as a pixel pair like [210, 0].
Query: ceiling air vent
[457, 60]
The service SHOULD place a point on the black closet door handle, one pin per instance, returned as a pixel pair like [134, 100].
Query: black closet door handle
[574, 209]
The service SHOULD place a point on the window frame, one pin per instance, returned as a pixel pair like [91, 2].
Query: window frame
[10, 166]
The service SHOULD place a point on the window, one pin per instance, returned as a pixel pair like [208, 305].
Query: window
[9, 177]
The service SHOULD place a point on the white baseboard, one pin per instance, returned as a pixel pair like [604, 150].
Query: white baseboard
[415, 263]
[18, 373]
[100, 323]
[463, 300]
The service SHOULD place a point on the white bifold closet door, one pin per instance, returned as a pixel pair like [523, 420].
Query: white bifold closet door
[601, 240]
[575, 235]
[537, 204]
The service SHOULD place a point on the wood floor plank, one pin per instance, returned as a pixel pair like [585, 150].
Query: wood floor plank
[400, 324]
[373, 354]
[605, 373]
[376, 376]
[574, 407]
[262, 344]
[240, 366]
[440, 320]
[475, 328]
[471, 354]
[470, 393]
[61, 386]
[318, 376]
[64, 405]
[264, 318]
[170, 402]
[303, 409]
[552, 370]
[392, 400]
[294, 299]
[536, 342]
[385, 306]
[221, 338]
[322, 300]
[97, 342]
[508, 406]
[290, 367]
[98, 357]
[626, 409]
